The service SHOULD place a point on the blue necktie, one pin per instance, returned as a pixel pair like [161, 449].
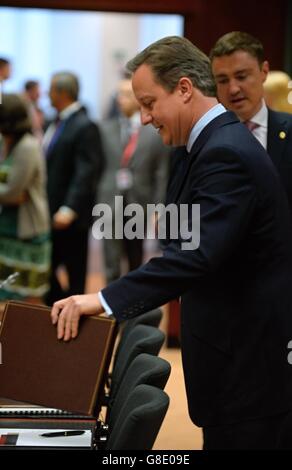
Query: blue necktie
[59, 124]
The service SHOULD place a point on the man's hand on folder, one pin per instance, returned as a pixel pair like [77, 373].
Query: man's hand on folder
[66, 313]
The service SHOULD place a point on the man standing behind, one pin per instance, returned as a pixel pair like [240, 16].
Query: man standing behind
[240, 70]
[32, 95]
[136, 168]
[74, 162]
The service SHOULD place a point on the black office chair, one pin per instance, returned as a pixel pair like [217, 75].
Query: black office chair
[140, 419]
[141, 339]
[144, 369]
[151, 318]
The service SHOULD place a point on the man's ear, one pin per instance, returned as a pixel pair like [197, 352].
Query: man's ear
[185, 88]
[265, 69]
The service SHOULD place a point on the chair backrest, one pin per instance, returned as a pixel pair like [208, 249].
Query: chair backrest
[140, 419]
[144, 369]
[141, 339]
[151, 318]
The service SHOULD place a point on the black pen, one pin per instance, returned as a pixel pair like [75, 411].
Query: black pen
[62, 434]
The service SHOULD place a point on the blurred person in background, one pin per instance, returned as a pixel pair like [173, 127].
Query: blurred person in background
[277, 87]
[74, 163]
[32, 95]
[24, 217]
[5, 73]
[136, 168]
[5, 69]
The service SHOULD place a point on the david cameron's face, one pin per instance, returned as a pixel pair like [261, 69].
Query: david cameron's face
[159, 107]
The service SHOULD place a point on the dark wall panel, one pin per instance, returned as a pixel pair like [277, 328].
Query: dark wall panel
[163, 6]
[205, 20]
[265, 20]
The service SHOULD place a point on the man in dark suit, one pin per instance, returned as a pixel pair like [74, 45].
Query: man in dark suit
[74, 162]
[240, 70]
[235, 284]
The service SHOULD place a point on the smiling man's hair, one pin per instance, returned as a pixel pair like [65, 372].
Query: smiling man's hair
[172, 58]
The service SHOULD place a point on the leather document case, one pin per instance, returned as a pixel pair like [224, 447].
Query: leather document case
[38, 368]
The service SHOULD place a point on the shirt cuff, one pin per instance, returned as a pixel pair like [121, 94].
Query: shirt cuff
[105, 305]
[67, 210]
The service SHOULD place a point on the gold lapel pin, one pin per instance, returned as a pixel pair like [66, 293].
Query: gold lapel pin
[282, 135]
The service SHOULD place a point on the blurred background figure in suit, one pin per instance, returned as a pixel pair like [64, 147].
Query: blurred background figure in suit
[24, 216]
[240, 69]
[5, 73]
[136, 168]
[74, 163]
[32, 95]
[276, 88]
[5, 69]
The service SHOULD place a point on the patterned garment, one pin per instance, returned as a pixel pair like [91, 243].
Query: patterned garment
[29, 257]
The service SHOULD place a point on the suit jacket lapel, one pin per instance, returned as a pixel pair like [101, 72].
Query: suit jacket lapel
[176, 187]
[55, 137]
[180, 155]
[277, 132]
[58, 137]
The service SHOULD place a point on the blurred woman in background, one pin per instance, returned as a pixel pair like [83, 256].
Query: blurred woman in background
[24, 218]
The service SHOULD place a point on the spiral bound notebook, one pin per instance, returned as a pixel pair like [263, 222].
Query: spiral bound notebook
[38, 369]
[12, 409]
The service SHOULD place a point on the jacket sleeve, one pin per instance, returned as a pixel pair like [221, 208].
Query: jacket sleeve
[226, 194]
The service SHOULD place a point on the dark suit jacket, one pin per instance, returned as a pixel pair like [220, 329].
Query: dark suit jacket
[74, 165]
[279, 147]
[236, 288]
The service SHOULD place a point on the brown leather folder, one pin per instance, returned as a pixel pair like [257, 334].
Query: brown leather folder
[38, 368]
